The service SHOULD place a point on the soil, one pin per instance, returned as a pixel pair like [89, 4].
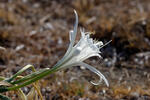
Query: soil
[37, 32]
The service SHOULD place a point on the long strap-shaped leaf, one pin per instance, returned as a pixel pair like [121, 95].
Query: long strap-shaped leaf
[20, 71]
[2, 97]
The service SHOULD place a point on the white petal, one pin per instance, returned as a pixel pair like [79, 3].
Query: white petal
[99, 44]
[91, 55]
[72, 38]
[71, 35]
[82, 32]
[96, 72]
[74, 33]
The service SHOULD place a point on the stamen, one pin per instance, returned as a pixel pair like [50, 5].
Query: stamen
[106, 44]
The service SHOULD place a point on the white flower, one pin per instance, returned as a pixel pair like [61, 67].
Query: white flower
[84, 49]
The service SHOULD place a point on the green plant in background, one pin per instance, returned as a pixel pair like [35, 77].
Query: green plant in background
[75, 55]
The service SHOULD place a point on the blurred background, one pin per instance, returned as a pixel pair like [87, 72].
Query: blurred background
[37, 32]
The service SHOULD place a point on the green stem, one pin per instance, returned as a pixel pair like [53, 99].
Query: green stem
[37, 77]
[30, 76]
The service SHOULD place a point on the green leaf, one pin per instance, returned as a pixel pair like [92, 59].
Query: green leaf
[2, 97]
[3, 89]
[20, 71]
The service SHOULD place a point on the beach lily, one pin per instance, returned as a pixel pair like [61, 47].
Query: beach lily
[84, 49]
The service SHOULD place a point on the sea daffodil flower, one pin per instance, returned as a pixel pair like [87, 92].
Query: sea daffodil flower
[84, 49]
[75, 55]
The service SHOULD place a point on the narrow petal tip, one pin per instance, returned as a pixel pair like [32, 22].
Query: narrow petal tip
[75, 11]
[102, 77]
[76, 17]
[98, 83]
